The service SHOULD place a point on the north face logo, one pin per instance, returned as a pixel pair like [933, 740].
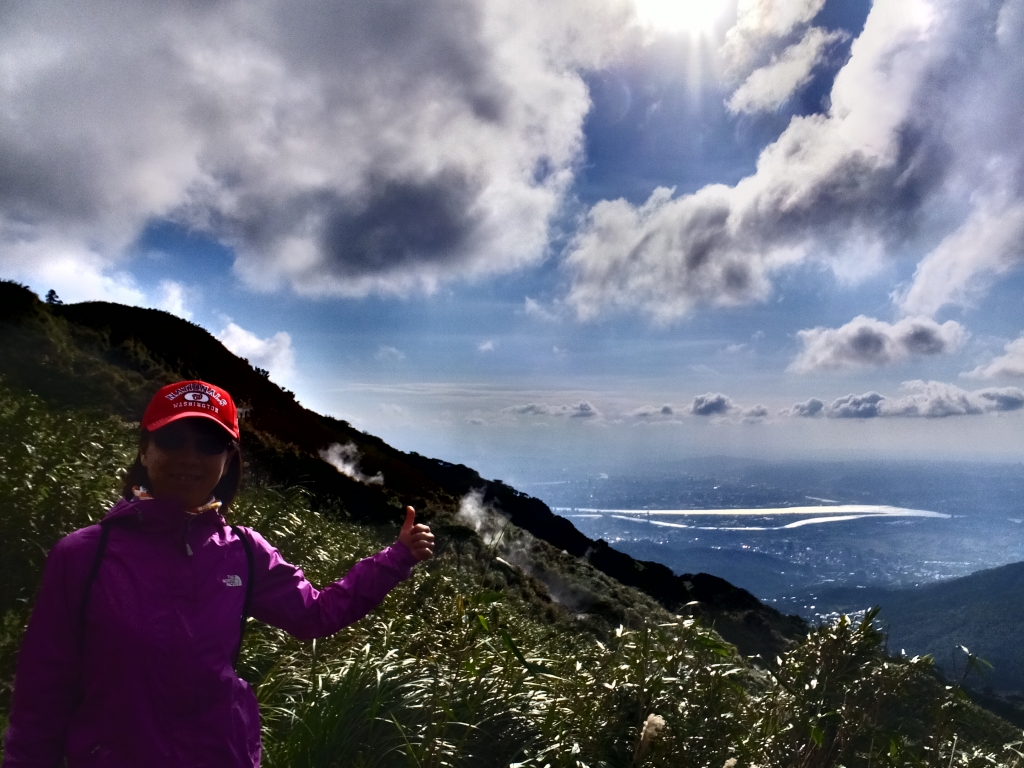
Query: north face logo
[232, 581]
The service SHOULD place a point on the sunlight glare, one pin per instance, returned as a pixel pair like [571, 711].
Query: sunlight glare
[697, 17]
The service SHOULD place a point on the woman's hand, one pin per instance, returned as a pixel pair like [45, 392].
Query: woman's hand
[417, 538]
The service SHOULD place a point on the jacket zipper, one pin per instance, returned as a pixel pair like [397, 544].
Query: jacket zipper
[188, 528]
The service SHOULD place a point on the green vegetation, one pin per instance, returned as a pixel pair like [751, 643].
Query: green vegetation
[470, 663]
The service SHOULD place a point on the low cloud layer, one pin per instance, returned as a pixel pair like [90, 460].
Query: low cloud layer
[922, 129]
[1009, 365]
[274, 354]
[653, 412]
[755, 414]
[930, 400]
[581, 410]
[866, 342]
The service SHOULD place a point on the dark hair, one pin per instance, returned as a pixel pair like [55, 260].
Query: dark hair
[225, 490]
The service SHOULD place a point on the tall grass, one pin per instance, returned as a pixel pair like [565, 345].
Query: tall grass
[455, 670]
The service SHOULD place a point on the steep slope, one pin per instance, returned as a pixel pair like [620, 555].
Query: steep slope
[983, 612]
[113, 357]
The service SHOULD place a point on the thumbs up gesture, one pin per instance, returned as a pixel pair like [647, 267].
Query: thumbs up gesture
[417, 537]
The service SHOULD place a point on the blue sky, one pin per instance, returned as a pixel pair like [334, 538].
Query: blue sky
[586, 236]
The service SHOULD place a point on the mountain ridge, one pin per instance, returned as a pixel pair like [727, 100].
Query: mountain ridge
[115, 355]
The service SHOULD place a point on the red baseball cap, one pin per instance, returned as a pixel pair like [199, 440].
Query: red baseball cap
[191, 399]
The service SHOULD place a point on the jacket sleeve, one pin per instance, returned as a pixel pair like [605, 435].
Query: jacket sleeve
[47, 680]
[283, 597]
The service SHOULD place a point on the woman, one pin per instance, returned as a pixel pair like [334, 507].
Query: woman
[128, 656]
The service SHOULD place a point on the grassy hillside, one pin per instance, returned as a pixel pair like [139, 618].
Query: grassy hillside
[470, 663]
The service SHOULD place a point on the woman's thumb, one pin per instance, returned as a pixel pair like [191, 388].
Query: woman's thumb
[410, 517]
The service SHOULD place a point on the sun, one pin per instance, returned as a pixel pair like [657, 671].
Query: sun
[697, 17]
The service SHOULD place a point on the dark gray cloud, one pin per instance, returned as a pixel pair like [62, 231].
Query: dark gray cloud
[810, 409]
[755, 414]
[653, 412]
[922, 399]
[399, 223]
[712, 404]
[864, 406]
[580, 410]
[339, 148]
[865, 341]
[918, 117]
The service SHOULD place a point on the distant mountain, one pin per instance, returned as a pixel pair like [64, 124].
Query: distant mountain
[983, 611]
[112, 357]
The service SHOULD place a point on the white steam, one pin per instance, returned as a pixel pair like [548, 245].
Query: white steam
[345, 459]
[481, 517]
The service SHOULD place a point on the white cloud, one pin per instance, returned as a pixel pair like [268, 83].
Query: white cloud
[390, 354]
[959, 270]
[924, 399]
[486, 346]
[274, 354]
[78, 274]
[769, 87]
[1010, 364]
[172, 299]
[921, 135]
[760, 26]
[534, 308]
[337, 150]
[345, 459]
[865, 342]
[75, 273]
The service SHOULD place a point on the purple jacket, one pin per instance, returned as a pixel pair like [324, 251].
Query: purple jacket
[149, 682]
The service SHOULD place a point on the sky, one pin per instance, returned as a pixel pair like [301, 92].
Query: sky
[548, 238]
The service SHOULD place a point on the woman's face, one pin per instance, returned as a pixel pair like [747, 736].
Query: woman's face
[186, 459]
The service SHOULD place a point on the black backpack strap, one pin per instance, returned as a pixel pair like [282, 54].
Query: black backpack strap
[248, 588]
[97, 559]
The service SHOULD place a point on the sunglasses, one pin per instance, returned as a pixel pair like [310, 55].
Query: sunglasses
[175, 438]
